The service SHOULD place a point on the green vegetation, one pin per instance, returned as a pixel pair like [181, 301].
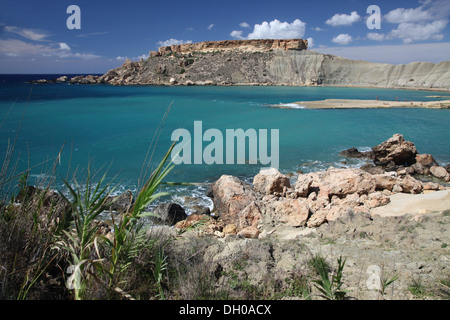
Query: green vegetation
[329, 288]
[417, 289]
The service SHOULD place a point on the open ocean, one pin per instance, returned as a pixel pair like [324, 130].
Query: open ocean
[112, 127]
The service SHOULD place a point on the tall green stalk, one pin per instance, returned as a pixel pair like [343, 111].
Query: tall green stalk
[80, 238]
[125, 229]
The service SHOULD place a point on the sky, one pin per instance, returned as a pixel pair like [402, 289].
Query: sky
[43, 36]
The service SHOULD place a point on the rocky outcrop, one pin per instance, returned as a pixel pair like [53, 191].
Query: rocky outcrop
[270, 181]
[267, 62]
[395, 151]
[399, 156]
[231, 196]
[355, 153]
[319, 197]
[440, 172]
[169, 213]
[244, 45]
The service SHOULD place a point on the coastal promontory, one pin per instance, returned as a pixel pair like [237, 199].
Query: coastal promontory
[267, 62]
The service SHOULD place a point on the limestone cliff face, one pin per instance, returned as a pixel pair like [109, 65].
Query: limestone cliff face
[270, 62]
[244, 45]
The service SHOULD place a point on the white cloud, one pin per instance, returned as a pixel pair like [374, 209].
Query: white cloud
[343, 19]
[64, 46]
[210, 26]
[410, 32]
[318, 29]
[343, 39]
[172, 42]
[401, 15]
[425, 22]
[237, 34]
[30, 34]
[274, 30]
[310, 42]
[18, 48]
[77, 55]
[278, 30]
[15, 48]
[244, 25]
[123, 58]
[376, 36]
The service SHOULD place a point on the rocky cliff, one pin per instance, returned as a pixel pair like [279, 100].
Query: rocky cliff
[242, 45]
[268, 62]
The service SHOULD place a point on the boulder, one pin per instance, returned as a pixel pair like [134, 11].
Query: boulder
[420, 169]
[318, 218]
[408, 184]
[230, 196]
[431, 186]
[303, 184]
[426, 160]
[293, 212]
[169, 213]
[249, 232]
[377, 199]
[250, 216]
[230, 229]
[440, 172]
[342, 182]
[198, 209]
[62, 79]
[384, 181]
[373, 169]
[269, 181]
[121, 203]
[394, 151]
[355, 153]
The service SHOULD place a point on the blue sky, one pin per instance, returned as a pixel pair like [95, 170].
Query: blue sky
[34, 37]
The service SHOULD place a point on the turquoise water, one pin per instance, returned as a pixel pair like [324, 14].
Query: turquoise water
[113, 126]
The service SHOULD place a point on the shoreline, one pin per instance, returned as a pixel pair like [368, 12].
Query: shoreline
[223, 84]
[363, 104]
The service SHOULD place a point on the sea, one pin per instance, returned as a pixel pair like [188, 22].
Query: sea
[56, 131]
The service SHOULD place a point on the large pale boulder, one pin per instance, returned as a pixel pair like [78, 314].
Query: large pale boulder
[250, 216]
[396, 150]
[377, 199]
[230, 196]
[269, 181]
[342, 182]
[408, 184]
[384, 181]
[304, 183]
[440, 172]
[293, 212]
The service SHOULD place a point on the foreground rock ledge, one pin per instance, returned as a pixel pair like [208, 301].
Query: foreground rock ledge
[319, 197]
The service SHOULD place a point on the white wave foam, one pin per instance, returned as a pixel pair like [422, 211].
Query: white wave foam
[364, 149]
[291, 105]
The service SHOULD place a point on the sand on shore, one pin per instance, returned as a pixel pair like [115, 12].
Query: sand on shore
[364, 104]
[403, 203]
